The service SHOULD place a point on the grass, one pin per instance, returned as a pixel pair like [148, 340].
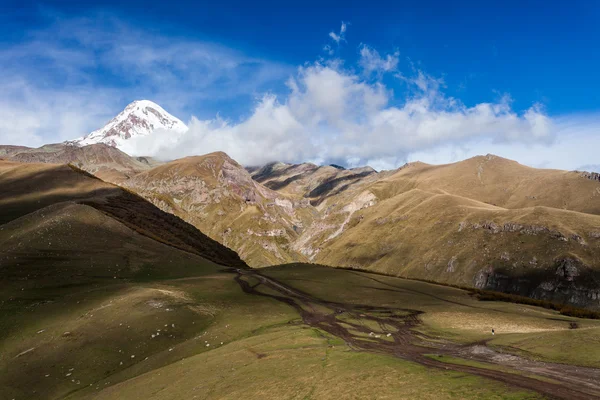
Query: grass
[575, 346]
[300, 365]
[266, 353]
[99, 301]
[482, 365]
[454, 314]
[107, 326]
[491, 295]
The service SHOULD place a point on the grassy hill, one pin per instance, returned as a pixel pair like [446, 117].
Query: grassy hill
[34, 196]
[497, 181]
[105, 296]
[218, 196]
[485, 222]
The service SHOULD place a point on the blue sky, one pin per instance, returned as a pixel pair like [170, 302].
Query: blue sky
[428, 80]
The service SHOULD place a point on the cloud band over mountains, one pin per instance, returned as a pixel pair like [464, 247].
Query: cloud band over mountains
[325, 111]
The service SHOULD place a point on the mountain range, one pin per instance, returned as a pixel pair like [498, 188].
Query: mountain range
[486, 222]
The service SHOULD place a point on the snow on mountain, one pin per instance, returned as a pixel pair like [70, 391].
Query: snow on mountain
[139, 118]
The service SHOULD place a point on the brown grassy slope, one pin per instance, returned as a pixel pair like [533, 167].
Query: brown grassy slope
[25, 188]
[218, 196]
[497, 181]
[452, 239]
[486, 222]
[70, 244]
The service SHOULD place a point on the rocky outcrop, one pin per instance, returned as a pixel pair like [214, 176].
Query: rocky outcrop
[594, 176]
[513, 227]
[567, 281]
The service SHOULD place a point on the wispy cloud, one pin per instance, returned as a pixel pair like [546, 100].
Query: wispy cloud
[70, 78]
[341, 36]
[371, 62]
[589, 168]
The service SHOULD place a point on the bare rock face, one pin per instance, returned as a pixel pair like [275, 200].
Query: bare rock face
[452, 265]
[513, 227]
[567, 268]
[309, 181]
[480, 280]
[567, 281]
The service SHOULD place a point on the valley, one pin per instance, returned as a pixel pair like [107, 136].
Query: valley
[290, 331]
[293, 201]
[485, 222]
[128, 277]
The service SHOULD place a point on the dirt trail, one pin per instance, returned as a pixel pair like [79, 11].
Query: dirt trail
[390, 331]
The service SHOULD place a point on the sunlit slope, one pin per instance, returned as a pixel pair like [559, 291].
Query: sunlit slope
[539, 251]
[218, 196]
[497, 181]
[486, 222]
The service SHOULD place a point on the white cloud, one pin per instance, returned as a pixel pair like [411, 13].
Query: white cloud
[371, 62]
[577, 138]
[332, 114]
[329, 50]
[341, 36]
[71, 78]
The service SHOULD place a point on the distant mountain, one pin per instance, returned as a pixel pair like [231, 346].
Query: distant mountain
[486, 222]
[309, 181]
[140, 118]
[102, 160]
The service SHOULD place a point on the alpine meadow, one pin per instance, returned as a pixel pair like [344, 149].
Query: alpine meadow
[401, 205]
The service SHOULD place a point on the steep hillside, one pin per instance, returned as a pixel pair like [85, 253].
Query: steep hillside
[219, 197]
[497, 181]
[485, 222]
[31, 192]
[310, 181]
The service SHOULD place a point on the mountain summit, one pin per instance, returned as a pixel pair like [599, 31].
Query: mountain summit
[139, 118]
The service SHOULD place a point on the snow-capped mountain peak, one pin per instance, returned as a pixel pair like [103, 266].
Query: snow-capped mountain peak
[140, 118]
